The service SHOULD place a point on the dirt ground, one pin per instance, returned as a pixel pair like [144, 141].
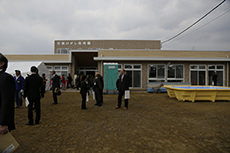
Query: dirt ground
[154, 123]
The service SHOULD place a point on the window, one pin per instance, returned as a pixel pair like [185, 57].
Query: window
[62, 50]
[156, 73]
[152, 71]
[216, 75]
[198, 74]
[84, 43]
[134, 73]
[175, 73]
[221, 67]
[64, 68]
[58, 43]
[88, 43]
[79, 43]
[137, 66]
[211, 67]
[61, 70]
[119, 66]
[161, 71]
[193, 67]
[50, 68]
[202, 67]
[57, 68]
[128, 66]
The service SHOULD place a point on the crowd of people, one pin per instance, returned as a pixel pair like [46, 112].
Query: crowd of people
[32, 89]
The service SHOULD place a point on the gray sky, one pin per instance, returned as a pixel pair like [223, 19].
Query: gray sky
[31, 26]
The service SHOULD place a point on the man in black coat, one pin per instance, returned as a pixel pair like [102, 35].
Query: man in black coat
[98, 87]
[84, 90]
[7, 97]
[55, 84]
[123, 83]
[32, 89]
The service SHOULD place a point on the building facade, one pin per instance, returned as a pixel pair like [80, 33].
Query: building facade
[143, 60]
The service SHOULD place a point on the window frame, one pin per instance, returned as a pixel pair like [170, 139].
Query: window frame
[134, 69]
[216, 70]
[175, 78]
[198, 70]
[157, 78]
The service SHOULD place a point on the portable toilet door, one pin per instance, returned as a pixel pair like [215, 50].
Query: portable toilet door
[110, 77]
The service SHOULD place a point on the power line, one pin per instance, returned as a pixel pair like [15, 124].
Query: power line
[207, 23]
[194, 23]
[212, 20]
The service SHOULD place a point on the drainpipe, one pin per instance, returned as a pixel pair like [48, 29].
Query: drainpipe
[101, 65]
[101, 69]
[227, 73]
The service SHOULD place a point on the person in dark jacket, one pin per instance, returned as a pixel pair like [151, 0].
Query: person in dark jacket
[69, 81]
[84, 90]
[123, 83]
[19, 82]
[7, 95]
[55, 84]
[43, 89]
[78, 83]
[98, 87]
[32, 90]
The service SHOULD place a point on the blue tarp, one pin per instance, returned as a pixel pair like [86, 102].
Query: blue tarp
[162, 90]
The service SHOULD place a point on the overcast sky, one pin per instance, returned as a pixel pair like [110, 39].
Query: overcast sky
[31, 26]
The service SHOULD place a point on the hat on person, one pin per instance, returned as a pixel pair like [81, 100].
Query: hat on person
[18, 71]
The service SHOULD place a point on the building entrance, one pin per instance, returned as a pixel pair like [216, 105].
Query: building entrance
[84, 62]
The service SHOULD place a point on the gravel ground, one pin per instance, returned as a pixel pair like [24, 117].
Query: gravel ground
[154, 123]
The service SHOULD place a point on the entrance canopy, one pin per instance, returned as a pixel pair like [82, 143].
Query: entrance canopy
[24, 67]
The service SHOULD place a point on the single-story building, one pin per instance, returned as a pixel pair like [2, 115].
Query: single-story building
[143, 60]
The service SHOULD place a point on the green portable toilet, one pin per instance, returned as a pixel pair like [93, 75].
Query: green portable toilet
[110, 77]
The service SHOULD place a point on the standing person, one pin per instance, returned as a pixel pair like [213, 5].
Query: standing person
[69, 81]
[33, 84]
[63, 81]
[55, 84]
[84, 90]
[91, 80]
[122, 84]
[43, 88]
[74, 80]
[98, 87]
[78, 82]
[19, 82]
[7, 95]
[214, 78]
